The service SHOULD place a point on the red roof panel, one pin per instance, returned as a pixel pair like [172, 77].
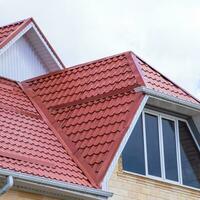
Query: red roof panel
[92, 104]
[27, 143]
[67, 125]
[156, 81]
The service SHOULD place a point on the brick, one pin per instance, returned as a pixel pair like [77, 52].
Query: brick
[143, 188]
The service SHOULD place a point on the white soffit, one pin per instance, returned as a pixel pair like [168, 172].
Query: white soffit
[171, 103]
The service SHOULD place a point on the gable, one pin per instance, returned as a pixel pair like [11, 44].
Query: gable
[25, 52]
[20, 61]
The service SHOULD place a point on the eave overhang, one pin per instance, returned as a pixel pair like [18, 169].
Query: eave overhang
[53, 188]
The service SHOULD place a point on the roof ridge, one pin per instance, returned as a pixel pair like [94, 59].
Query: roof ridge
[77, 66]
[165, 77]
[134, 66]
[15, 23]
[53, 125]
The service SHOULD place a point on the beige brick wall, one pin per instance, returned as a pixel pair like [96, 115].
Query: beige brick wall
[17, 195]
[132, 187]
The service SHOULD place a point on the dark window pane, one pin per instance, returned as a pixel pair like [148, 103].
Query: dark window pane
[133, 153]
[169, 144]
[152, 141]
[190, 157]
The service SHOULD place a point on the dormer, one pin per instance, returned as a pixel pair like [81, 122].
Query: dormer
[25, 52]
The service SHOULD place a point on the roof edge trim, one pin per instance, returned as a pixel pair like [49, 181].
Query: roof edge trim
[123, 143]
[56, 185]
[132, 113]
[166, 97]
[76, 66]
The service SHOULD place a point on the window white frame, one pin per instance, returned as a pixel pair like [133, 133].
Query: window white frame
[175, 119]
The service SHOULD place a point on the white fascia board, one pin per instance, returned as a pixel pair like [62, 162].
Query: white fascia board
[47, 47]
[169, 98]
[122, 144]
[60, 189]
[17, 37]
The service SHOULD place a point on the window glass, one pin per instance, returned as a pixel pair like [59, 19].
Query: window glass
[152, 142]
[133, 153]
[180, 154]
[190, 157]
[170, 153]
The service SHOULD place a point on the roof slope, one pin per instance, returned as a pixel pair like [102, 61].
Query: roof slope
[28, 145]
[93, 105]
[156, 81]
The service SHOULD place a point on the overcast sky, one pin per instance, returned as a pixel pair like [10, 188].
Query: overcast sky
[166, 34]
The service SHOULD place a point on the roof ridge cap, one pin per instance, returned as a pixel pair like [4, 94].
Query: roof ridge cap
[52, 124]
[14, 23]
[96, 60]
[139, 96]
[135, 67]
[77, 66]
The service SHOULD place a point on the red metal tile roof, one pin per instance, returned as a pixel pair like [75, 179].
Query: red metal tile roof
[68, 125]
[155, 80]
[27, 143]
[92, 105]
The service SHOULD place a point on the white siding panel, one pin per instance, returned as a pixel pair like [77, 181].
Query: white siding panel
[20, 62]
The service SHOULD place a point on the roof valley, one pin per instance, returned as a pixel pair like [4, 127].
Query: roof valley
[53, 125]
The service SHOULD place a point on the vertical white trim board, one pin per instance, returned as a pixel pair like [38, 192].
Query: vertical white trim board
[123, 143]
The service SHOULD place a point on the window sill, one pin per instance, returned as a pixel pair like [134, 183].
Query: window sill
[158, 181]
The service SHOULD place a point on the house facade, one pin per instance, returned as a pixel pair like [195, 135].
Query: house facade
[113, 128]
